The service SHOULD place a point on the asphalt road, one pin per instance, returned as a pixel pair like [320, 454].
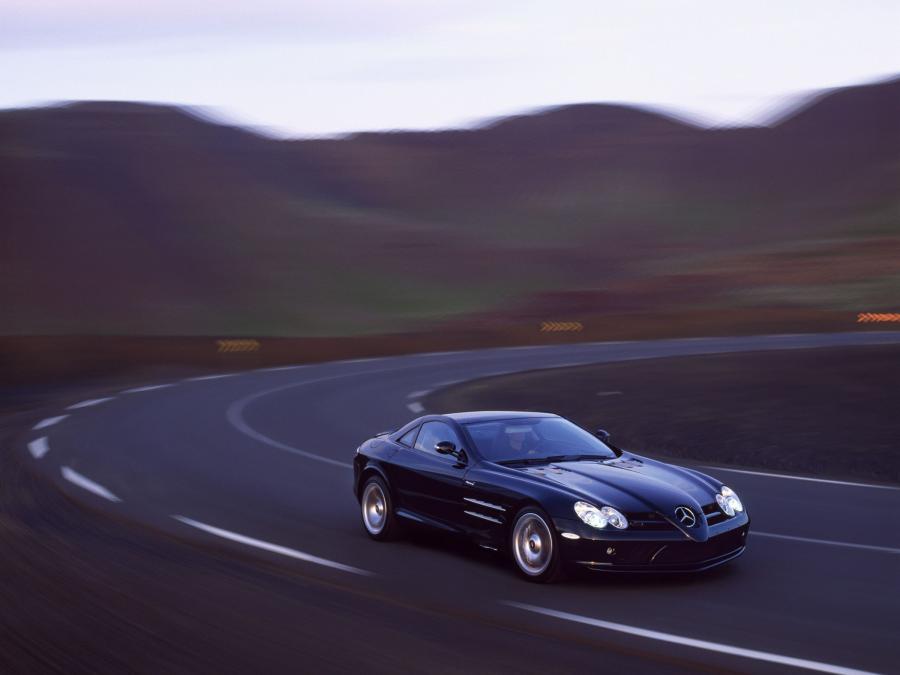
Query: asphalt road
[256, 466]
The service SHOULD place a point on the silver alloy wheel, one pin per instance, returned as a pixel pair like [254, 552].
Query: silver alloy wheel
[532, 544]
[374, 508]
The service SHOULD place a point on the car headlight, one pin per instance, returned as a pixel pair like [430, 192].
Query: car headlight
[728, 501]
[600, 518]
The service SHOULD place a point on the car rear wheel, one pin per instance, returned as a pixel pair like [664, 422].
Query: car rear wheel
[535, 546]
[378, 509]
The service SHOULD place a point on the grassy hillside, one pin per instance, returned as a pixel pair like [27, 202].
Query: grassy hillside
[131, 218]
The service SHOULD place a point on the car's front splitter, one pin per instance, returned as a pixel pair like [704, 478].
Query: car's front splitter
[647, 555]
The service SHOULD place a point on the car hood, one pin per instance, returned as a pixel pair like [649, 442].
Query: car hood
[635, 484]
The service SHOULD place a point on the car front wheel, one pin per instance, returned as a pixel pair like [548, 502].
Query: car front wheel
[535, 546]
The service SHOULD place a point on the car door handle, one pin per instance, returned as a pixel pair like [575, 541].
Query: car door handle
[468, 482]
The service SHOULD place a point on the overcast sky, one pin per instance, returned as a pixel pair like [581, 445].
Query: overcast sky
[300, 67]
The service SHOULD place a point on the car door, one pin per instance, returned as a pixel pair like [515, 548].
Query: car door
[430, 484]
[488, 506]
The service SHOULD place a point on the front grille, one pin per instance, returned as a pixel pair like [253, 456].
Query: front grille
[648, 521]
[713, 514]
[651, 521]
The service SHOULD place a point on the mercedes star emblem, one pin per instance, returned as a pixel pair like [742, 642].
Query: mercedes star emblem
[685, 516]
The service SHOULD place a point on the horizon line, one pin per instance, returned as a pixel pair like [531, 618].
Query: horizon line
[791, 105]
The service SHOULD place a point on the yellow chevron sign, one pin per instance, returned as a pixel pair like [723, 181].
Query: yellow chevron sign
[561, 326]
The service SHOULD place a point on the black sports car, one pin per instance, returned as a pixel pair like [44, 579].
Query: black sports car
[547, 491]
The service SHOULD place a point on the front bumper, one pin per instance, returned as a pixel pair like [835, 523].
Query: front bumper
[664, 551]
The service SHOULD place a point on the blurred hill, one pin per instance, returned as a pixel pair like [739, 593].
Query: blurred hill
[145, 219]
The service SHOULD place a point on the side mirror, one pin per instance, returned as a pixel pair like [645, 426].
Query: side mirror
[446, 448]
[602, 434]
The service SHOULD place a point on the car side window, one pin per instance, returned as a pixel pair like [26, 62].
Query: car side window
[409, 437]
[432, 434]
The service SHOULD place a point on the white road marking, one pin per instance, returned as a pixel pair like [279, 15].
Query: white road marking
[235, 415]
[827, 542]
[149, 387]
[83, 482]
[418, 394]
[693, 642]
[276, 369]
[203, 378]
[90, 402]
[608, 393]
[38, 447]
[806, 478]
[49, 422]
[416, 407]
[273, 548]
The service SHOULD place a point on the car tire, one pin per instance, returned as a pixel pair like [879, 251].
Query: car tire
[377, 509]
[534, 546]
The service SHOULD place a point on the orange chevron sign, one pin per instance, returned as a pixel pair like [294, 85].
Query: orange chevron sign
[877, 317]
[561, 326]
[233, 346]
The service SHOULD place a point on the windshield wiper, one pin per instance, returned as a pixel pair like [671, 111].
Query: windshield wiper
[553, 459]
[578, 458]
[531, 460]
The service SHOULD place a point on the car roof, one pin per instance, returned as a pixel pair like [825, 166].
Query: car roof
[493, 415]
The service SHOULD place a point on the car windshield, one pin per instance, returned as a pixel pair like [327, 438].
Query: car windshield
[536, 439]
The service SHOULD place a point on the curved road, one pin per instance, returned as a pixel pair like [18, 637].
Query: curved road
[258, 464]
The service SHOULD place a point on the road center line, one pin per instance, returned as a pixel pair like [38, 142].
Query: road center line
[204, 378]
[276, 369]
[90, 402]
[149, 387]
[827, 542]
[234, 414]
[38, 447]
[49, 422]
[272, 548]
[418, 394]
[693, 642]
[416, 407]
[86, 483]
[806, 478]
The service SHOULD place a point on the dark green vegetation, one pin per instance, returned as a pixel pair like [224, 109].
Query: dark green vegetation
[141, 219]
[829, 412]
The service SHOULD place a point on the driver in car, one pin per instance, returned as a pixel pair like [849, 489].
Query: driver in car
[519, 440]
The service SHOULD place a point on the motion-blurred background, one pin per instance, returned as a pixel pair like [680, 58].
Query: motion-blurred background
[194, 194]
[760, 193]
